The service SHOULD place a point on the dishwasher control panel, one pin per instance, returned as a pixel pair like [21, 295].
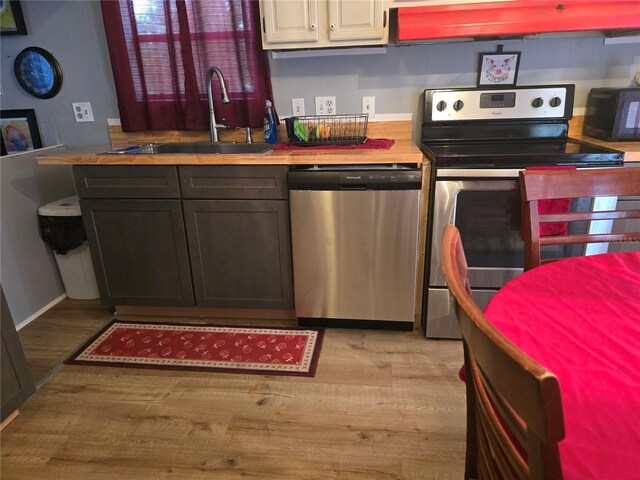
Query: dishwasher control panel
[324, 179]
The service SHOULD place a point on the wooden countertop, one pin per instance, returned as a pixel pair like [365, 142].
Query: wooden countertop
[403, 151]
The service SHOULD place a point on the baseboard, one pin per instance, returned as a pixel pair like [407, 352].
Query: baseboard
[9, 419]
[31, 318]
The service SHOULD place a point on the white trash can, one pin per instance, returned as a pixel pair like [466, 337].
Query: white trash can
[62, 229]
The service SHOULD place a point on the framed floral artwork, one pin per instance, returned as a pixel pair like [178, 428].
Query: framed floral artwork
[19, 131]
[498, 69]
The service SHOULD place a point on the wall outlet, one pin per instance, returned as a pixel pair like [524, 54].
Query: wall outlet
[82, 111]
[369, 106]
[325, 105]
[297, 107]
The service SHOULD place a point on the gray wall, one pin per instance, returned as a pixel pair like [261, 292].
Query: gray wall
[398, 77]
[74, 33]
[28, 272]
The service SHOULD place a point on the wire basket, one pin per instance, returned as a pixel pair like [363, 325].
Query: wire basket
[313, 130]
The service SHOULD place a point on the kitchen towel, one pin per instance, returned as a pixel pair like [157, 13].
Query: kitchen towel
[557, 205]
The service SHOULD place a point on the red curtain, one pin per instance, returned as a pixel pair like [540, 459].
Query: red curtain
[161, 50]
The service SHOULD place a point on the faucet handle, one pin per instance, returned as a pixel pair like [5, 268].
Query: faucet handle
[248, 137]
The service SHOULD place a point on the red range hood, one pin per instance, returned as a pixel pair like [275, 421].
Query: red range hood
[518, 17]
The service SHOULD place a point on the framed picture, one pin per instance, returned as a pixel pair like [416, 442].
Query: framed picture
[19, 131]
[11, 19]
[498, 69]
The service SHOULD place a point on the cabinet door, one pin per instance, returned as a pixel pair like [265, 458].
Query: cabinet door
[240, 252]
[17, 384]
[290, 21]
[139, 251]
[357, 20]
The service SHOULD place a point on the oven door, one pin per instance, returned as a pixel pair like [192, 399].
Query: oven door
[485, 207]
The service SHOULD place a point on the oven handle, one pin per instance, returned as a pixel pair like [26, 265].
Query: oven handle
[490, 172]
[478, 172]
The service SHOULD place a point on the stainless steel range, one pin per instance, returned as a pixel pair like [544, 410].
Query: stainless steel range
[478, 140]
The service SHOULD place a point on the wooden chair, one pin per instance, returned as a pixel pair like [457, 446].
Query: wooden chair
[514, 410]
[549, 185]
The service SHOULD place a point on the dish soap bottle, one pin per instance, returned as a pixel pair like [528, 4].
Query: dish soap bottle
[270, 124]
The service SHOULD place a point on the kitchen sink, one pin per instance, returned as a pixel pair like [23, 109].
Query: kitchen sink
[208, 148]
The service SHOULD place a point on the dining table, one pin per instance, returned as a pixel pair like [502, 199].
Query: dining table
[580, 319]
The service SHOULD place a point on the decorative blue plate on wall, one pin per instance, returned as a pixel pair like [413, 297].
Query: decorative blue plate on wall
[38, 72]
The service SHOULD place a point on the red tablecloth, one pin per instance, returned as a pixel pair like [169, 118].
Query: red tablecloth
[580, 318]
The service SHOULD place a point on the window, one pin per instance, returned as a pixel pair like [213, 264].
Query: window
[160, 53]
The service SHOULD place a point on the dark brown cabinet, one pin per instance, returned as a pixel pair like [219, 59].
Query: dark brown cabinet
[264, 182]
[239, 238]
[240, 253]
[139, 251]
[235, 251]
[17, 384]
[126, 181]
[135, 229]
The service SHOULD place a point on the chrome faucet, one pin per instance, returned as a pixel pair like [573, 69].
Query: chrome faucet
[213, 130]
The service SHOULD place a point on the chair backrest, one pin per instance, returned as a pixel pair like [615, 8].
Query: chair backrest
[514, 410]
[553, 185]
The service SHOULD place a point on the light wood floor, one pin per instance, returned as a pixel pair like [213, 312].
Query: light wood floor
[383, 405]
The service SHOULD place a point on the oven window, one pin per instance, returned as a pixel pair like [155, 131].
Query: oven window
[489, 224]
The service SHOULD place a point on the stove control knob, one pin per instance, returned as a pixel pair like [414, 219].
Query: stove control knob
[537, 102]
[555, 102]
[441, 105]
[457, 105]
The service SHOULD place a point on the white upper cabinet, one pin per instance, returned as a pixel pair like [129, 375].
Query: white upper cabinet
[290, 24]
[357, 20]
[289, 21]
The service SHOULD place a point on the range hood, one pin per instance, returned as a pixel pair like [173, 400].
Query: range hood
[515, 18]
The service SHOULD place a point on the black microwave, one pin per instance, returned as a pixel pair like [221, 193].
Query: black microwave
[613, 114]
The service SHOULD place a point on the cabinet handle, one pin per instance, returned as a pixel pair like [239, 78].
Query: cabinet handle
[264, 25]
[332, 26]
[384, 19]
[313, 26]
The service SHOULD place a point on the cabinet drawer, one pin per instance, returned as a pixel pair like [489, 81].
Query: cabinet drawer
[127, 181]
[234, 182]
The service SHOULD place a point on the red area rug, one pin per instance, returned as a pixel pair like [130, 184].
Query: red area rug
[274, 351]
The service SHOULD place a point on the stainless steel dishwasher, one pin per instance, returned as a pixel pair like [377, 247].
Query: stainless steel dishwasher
[355, 245]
